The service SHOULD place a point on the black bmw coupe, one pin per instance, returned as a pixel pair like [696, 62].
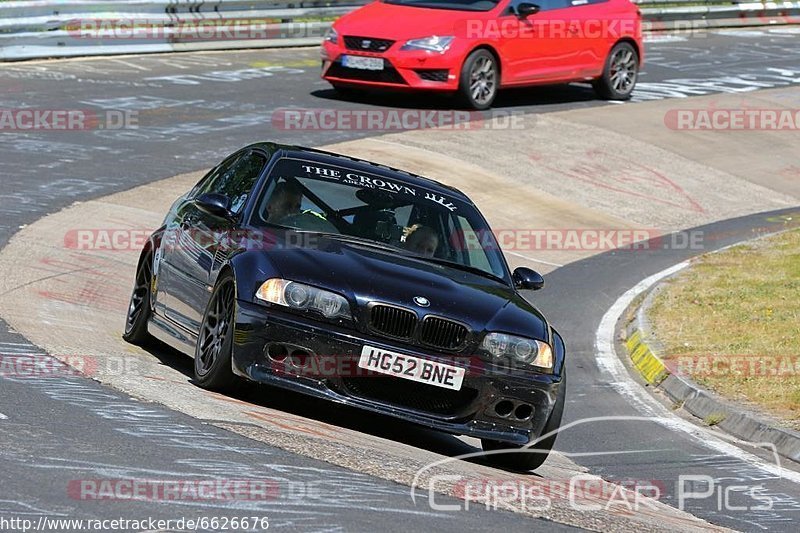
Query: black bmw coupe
[355, 282]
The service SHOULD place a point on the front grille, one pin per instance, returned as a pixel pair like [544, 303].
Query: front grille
[443, 333]
[392, 321]
[410, 394]
[437, 74]
[367, 44]
[388, 75]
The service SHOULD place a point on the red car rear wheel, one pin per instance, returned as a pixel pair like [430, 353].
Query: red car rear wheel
[620, 73]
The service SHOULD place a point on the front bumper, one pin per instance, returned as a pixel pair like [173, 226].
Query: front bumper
[419, 69]
[492, 403]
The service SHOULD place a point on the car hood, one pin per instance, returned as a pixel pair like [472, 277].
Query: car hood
[365, 274]
[406, 22]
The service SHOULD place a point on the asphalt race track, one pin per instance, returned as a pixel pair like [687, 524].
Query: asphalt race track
[654, 450]
[195, 108]
[210, 104]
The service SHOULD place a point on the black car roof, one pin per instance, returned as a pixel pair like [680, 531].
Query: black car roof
[323, 156]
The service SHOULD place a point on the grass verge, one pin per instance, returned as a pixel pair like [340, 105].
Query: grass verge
[732, 323]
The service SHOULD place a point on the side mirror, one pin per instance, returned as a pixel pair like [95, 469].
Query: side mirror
[526, 278]
[525, 9]
[215, 204]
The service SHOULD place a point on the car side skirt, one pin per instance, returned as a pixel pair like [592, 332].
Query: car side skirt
[172, 335]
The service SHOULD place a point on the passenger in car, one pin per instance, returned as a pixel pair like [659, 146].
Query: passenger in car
[421, 240]
[284, 202]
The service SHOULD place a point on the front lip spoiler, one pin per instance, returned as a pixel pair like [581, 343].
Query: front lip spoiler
[259, 326]
[472, 428]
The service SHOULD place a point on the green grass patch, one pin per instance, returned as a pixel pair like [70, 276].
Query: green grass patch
[734, 318]
[714, 418]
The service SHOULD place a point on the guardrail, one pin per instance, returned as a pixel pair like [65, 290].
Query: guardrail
[693, 14]
[64, 28]
[36, 29]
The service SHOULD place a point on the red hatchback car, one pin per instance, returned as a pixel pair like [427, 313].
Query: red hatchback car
[475, 47]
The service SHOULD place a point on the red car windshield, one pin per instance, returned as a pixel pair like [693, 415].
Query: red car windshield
[457, 5]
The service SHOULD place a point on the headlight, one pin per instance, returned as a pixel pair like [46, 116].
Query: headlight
[434, 43]
[304, 297]
[331, 36]
[533, 352]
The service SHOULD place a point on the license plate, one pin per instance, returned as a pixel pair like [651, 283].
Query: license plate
[412, 368]
[363, 63]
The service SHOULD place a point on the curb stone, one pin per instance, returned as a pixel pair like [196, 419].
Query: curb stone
[644, 350]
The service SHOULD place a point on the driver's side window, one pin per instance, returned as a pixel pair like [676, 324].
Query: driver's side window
[235, 179]
[544, 5]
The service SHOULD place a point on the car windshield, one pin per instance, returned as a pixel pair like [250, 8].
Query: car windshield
[373, 209]
[459, 5]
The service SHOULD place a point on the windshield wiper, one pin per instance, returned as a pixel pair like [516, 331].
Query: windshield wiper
[358, 240]
[461, 266]
[404, 252]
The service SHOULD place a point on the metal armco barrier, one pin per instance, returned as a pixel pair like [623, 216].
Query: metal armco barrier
[66, 28]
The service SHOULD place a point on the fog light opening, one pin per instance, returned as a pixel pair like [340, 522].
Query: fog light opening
[299, 358]
[504, 408]
[523, 411]
[277, 352]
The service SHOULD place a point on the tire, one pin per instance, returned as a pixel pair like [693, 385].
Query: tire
[525, 461]
[480, 80]
[620, 73]
[139, 308]
[214, 349]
